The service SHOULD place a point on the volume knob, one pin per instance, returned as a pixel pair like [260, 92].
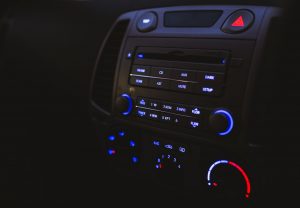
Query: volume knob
[124, 104]
[221, 122]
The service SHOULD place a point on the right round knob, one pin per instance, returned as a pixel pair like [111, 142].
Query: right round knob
[221, 122]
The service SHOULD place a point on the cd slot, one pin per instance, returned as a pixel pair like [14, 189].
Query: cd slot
[181, 55]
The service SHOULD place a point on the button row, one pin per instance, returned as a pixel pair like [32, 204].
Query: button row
[169, 107]
[177, 74]
[168, 118]
[179, 86]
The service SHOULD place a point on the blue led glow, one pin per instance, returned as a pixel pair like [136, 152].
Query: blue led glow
[111, 138]
[140, 56]
[132, 143]
[121, 133]
[130, 105]
[223, 61]
[111, 152]
[229, 119]
[134, 159]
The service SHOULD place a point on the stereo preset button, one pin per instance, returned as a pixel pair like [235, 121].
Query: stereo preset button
[160, 72]
[180, 109]
[140, 70]
[210, 77]
[167, 118]
[153, 115]
[167, 107]
[142, 102]
[183, 75]
[139, 81]
[159, 83]
[154, 104]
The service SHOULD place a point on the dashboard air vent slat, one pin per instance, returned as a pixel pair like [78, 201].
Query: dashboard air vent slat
[102, 90]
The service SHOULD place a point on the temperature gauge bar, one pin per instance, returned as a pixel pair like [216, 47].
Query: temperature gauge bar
[234, 165]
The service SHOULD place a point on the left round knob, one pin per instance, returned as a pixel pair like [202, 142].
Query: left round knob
[124, 104]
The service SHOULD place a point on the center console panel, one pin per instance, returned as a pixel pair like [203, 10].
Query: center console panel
[170, 97]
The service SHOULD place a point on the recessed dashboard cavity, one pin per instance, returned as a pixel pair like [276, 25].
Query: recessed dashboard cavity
[181, 77]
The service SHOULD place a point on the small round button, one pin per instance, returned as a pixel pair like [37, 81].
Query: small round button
[147, 22]
[221, 122]
[238, 22]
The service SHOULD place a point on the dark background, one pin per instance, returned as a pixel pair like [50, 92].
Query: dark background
[48, 147]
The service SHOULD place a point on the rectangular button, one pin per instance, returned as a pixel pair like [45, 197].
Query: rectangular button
[207, 90]
[160, 72]
[167, 107]
[180, 109]
[140, 70]
[183, 75]
[165, 117]
[154, 104]
[181, 86]
[210, 77]
[180, 121]
[139, 81]
[194, 111]
[159, 83]
[142, 102]
[142, 113]
[193, 123]
[154, 115]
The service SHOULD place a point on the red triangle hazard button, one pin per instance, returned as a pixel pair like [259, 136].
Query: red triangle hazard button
[239, 22]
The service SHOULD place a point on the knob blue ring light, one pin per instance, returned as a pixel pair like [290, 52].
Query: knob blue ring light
[229, 119]
[130, 105]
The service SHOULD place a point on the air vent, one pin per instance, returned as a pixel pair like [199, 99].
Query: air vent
[106, 67]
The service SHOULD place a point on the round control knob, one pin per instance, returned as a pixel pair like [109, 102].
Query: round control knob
[221, 122]
[124, 104]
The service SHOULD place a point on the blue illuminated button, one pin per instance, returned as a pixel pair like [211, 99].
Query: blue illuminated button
[194, 111]
[121, 133]
[129, 55]
[134, 159]
[167, 118]
[142, 102]
[141, 113]
[169, 146]
[184, 75]
[140, 70]
[138, 81]
[147, 22]
[159, 83]
[156, 143]
[111, 152]
[167, 107]
[111, 138]
[210, 90]
[193, 123]
[210, 77]
[182, 149]
[153, 115]
[154, 104]
[160, 72]
[181, 86]
[180, 109]
[132, 143]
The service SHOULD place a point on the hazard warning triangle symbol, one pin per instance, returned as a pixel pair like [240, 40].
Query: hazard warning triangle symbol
[239, 22]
